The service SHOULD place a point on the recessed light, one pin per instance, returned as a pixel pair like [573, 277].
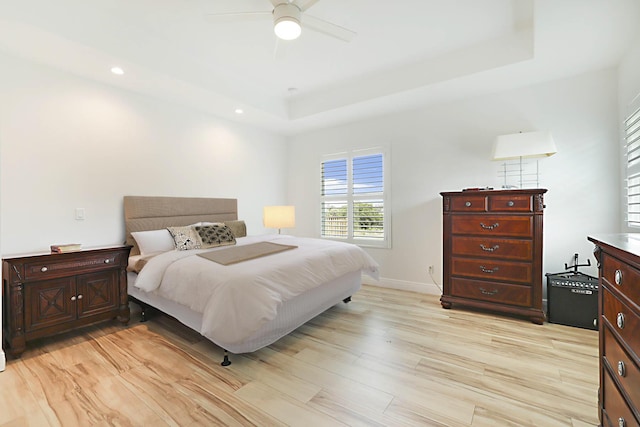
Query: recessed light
[239, 111]
[117, 70]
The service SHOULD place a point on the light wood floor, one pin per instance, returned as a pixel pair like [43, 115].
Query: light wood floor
[389, 358]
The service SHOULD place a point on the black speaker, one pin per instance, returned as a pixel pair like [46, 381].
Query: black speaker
[572, 299]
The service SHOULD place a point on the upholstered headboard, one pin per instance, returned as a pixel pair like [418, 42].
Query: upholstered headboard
[143, 213]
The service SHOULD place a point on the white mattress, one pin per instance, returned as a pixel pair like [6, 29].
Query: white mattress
[291, 314]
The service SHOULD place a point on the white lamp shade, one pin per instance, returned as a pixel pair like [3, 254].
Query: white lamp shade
[528, 144]
[279, 216]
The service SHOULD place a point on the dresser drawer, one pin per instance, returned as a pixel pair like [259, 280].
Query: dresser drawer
[493, 225]
[622, 366]
[511, 203]
[624, 321]
[492, 247]
[469, 203]
[489, 269]
[623, 277]
[617, 412]
[58, 265]
[491, 291]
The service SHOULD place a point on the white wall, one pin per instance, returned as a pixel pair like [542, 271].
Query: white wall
[448, 147]
[628, 101]
[68, 143]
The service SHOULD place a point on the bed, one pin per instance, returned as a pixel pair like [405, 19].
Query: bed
[244, 305]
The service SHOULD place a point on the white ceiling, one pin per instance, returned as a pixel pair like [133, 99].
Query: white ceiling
[407, 53]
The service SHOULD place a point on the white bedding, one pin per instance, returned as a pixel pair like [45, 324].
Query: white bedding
[236, 300]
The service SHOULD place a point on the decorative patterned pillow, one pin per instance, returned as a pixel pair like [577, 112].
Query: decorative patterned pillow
[215, 235]
[238, 228]
[186, 238]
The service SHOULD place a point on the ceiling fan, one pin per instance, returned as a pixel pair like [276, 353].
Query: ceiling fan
[288, 20]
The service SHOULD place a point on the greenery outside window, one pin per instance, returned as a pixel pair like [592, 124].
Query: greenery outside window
[354, 195]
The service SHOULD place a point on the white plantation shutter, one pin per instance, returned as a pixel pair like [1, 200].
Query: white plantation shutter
[632, 148]
[353, 198]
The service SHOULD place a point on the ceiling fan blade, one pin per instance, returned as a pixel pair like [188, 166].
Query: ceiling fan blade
[280, 50]
[305, 4]
[277, 2]
[237, 16]
[328, 28]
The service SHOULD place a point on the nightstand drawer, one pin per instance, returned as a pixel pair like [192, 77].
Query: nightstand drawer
[622, 366]
[489, 269]
[493, 225]
[511, 203]
[622, 277]
[58, 265]
[491, 291]
[624, 321]
[516, 249]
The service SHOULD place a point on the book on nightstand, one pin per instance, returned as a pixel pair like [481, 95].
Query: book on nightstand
[69, 247]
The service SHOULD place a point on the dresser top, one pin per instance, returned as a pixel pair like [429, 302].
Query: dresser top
[495, 192]
[627, 242]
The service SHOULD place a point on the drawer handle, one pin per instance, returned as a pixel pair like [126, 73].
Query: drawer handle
[467, 204]
[44, 269]
[486, 292]
[621, 422]
[488, 270]
[510, 203]
[80, 296]
[73, 298]
[107, 261]
[489, 227]
[486, 249]
[621, 369]
[617, 277]
[620, 320]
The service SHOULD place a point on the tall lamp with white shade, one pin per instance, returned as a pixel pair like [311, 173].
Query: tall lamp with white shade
[514, 149]
[279, 217]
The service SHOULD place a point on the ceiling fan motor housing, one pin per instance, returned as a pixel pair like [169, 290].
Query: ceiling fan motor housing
[287, 14]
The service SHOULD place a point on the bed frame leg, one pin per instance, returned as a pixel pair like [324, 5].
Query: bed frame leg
[226, 361]
[143, 312]
[347, 300]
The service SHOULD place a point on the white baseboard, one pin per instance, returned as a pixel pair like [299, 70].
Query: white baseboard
[425, 288]
[2, 361]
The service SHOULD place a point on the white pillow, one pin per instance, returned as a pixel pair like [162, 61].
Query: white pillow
[154, 241]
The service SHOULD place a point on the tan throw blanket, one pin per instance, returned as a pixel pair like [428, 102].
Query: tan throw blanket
[236, 254]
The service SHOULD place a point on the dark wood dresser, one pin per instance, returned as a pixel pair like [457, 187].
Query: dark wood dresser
[618, 257]
[492, 251]
[51, 293]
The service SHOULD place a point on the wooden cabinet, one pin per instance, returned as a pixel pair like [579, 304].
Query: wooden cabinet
[50, 293]
[492, 251]
[619, 312]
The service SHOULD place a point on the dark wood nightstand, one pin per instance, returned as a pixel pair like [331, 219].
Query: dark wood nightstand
[46, 294]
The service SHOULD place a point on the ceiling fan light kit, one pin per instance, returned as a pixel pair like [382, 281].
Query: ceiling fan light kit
[286, 20]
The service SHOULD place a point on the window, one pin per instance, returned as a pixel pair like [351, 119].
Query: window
[353, 198]
[632, 148]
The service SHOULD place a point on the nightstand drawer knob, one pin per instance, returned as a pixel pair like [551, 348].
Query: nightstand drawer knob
[44, 269]
[510, 203]
[107, 261]
[620, 320]
[618, 277]
[621, 422]
[73, 298]
[467, 204]
[80, 296]
[621, 369]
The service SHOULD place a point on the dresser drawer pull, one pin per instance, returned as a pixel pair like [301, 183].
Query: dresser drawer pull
[621, 422]
[107, 261]
[621, 369]
[617, 277]
[510, 203]
[488, 270]
[489, 227]
[73, 298]
[491, 249]
[44, 269]
[486, 292]
[80, 296]
[467, 204]
[620, 320]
